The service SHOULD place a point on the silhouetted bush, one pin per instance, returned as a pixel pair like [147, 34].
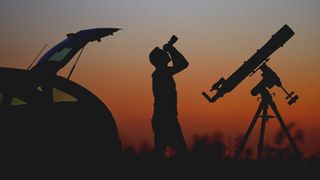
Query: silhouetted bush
[219, 146]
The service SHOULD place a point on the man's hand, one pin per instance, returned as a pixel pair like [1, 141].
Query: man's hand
[167, 47]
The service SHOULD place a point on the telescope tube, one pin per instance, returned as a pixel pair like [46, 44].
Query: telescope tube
[276, 41]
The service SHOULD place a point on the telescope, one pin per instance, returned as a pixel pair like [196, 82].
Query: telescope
[252, 65]
[269, 79]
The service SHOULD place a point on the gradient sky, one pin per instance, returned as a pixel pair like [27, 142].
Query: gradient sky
[215, 36]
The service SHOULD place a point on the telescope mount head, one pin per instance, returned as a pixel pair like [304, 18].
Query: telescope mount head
[271, 79]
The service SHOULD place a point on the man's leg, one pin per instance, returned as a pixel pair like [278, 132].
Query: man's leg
[180, 144]
[159, 147]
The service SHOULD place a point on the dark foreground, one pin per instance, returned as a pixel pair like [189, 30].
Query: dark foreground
[167, 169]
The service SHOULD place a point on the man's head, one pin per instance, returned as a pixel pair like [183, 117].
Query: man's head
[159, 58]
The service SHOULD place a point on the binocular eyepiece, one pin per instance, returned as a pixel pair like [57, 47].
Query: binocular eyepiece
[170, 43]
[173, 40]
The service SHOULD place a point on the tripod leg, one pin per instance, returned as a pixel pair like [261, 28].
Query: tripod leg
[285, 129]
[246, 136]
[262, 130]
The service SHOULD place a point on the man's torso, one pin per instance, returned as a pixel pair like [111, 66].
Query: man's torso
[165, 94]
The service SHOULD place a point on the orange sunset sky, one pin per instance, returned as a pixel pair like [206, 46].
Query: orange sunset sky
[216, 36]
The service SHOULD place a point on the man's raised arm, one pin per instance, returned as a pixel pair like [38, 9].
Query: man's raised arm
[178, 60]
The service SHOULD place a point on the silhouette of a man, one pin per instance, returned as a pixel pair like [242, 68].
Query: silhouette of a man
[166, 128]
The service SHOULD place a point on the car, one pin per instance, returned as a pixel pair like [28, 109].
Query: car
[74, 126]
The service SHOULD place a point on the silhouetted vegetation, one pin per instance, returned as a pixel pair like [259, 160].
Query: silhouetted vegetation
[221, 147]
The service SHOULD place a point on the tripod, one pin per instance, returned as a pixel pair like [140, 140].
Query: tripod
[265, 103]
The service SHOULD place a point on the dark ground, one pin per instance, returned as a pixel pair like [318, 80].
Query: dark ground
[167, 169]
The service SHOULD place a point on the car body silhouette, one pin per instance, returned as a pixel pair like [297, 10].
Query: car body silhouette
[75, 126]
